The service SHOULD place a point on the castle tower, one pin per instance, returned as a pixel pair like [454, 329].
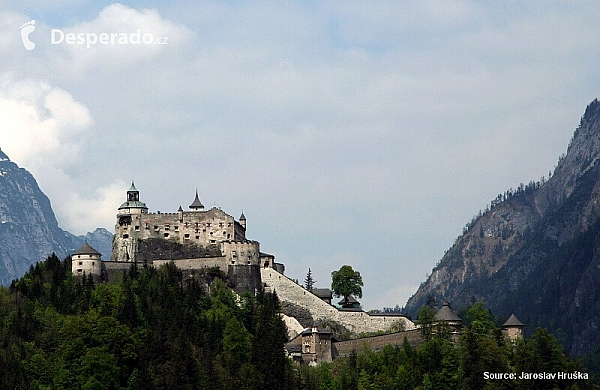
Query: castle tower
[243, 220]
[196, 204]
[513, 328]
[132, 205]
[180, 214]
[86, 260]
[448, 317]
[129, 220]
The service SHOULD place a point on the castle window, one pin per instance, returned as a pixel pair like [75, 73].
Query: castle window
[229, 224]
[176, 228]
[166, 235]
[93, 263]
[213, 241]
[221, 224]
[79, 270]
[125, 235]
[211, 233]
[186, 236]
[81, 263]
[234, 253]
[197, 237]
[147, 227]
[137, 228]
[166, 226]
[229, 235]
[208, 224]
[79, 256]
[224, 233]
[197, 231]
[155, 227]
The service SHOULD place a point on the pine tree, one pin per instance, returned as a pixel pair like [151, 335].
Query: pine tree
[309, 282]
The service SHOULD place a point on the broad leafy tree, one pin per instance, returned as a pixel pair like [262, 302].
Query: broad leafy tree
[346, 282]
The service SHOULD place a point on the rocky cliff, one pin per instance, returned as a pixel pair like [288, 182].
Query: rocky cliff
[536, 250]
[29, 231]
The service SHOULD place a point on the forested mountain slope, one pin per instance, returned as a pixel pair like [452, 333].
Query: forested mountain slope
[535, 251]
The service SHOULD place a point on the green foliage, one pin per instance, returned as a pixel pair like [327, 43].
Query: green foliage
[346, 282]
[309, 282]
[152, 330]
[441, 363]
[425, 318]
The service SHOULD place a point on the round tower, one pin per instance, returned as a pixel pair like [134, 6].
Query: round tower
[132, 205]
[86, 260]
[513, 328]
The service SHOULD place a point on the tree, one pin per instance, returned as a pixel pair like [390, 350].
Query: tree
[346, 282]
[309, 282]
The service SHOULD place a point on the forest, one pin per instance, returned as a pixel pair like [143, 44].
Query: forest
[156, 330]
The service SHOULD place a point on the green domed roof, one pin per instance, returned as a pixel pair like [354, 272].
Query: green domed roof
[133, 204]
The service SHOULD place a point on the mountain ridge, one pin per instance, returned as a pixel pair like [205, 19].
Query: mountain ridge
[509, 256]
[29, 231]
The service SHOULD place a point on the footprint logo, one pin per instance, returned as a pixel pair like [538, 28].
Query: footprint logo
[27, 29]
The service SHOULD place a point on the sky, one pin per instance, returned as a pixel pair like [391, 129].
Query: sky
[348, 132]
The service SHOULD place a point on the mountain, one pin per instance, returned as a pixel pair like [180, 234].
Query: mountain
[29, 231]
[535, 251]
[100, 239]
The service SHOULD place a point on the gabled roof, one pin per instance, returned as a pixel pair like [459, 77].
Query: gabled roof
[308, 331]
[513, 321]
[446, 314]
[86, 249]
[351, 301]
[196, 204]
[322, 292]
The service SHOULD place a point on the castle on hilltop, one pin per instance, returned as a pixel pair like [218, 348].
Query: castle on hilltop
[201, 242]
[195, 240]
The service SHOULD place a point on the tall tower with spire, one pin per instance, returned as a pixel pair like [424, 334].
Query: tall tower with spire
[196, 204]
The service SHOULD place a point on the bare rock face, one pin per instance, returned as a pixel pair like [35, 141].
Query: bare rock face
[29, 231]
[536, 252]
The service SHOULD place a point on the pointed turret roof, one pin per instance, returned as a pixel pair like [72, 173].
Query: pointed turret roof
[242, 216]
[132, 188]
[86, 249]
[447, 314]
[180, 208]
[513, 321]
[196, 204]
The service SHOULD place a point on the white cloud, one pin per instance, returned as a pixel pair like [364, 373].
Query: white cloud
[120, 19]
[42, 129]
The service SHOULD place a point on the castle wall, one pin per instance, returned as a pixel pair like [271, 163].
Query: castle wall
[196, 264]
[241, 252]
[376, 343]
[244, 278]
[199, 227]
[356, 321]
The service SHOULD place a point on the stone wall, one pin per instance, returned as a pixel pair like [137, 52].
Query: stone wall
[190, 227]
[355, 321]
[197, 264]
[376, 343]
